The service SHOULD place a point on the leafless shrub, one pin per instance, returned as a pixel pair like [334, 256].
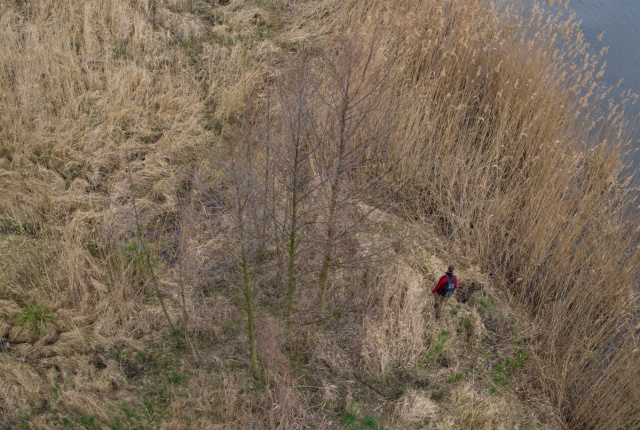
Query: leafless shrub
[353, 123]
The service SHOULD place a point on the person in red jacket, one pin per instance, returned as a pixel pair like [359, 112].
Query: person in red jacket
[444, 289]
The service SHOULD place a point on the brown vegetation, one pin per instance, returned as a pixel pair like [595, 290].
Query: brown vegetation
[520, 169]
[289, 179]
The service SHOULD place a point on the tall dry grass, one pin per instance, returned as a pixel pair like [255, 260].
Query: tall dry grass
[107, 104]
[104, 102]
[89, 90]
[515, 164]
[392, 333]
[496, 146]
[79, 79]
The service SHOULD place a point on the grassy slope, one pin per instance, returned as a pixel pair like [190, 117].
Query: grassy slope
[113, 100]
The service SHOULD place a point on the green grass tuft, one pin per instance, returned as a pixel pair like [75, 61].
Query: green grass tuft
[35, 317]
[441, 342]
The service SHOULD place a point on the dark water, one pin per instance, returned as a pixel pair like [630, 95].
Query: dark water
[619, 20]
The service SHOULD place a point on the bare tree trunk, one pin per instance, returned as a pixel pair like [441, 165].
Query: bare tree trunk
[292, 245]
[249, 303]
[245, 178]
[333, 207]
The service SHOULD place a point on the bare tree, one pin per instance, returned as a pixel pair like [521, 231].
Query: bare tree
[243, 172]
[322, 143]
[353, 121]
[292, 150]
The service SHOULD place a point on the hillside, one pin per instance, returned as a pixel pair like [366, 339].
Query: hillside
[231, 214]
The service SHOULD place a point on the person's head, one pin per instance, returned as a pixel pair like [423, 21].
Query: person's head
[450, 269]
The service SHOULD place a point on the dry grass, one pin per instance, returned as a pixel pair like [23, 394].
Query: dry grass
[9, 313]
[21, 389]
[414, 408]
[393, 327]
[86, 90]
[77, 81]
[517, 168]
[504, 167]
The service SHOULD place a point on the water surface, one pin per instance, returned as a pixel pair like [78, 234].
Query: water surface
[619, 22]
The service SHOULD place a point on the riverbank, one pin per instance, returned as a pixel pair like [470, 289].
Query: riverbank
[231, 215]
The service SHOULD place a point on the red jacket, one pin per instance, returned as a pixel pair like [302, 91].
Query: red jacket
[443, 281]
